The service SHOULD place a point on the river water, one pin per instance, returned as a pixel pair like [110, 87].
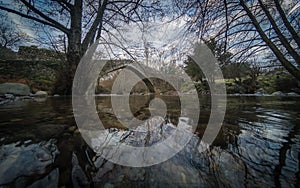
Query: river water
[257, 146]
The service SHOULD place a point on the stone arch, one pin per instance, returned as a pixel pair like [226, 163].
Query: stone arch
[136, 71]
[146, 80]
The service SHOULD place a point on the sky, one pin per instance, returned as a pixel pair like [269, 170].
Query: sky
[20, 25]
[164, 39]
[160, 36]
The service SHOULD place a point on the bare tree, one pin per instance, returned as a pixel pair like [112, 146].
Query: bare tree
[10, 38]
[285, 40]
[249, 28]
[81, 21]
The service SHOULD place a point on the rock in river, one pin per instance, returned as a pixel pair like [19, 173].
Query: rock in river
[277, 93]
[41, 94]
[50, 181]
[19, 162]
[193, 166]
[14, 88]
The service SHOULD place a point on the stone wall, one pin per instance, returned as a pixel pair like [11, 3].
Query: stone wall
[38, 75]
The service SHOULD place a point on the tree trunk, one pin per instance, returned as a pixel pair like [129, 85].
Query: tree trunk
[74, 52]
[66, 75]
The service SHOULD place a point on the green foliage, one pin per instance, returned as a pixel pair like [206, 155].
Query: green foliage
[35, 53]
[250, 85]
[27, 63]
[7, 54]
[235, 70]
[202, 88]
[235, 88]
[267, 82]
[219, 52]
[285, 82]
[193, 70]
[186, 87]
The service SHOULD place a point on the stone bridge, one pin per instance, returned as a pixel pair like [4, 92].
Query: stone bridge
[114, 65]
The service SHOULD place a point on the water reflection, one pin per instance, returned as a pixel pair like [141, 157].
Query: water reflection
[258, 146]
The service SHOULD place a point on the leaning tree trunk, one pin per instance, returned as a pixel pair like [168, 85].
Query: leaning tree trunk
[291, 68]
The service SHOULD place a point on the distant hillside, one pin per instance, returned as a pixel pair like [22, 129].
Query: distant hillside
[31, 53]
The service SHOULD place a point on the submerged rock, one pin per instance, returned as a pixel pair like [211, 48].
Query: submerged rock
[22, 161]
[14, 88]
[9, 96]
[39, 99]
[196, 164]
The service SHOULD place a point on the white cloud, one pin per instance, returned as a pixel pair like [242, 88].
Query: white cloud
[21, 25]
[165, 39]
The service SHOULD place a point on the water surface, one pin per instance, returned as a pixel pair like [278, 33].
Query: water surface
[258, 146]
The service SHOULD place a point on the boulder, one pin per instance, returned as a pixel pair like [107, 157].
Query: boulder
[41, 94]
[277, 93]
[21, 161]
[49, 181]
[14, 88]
[196, 164]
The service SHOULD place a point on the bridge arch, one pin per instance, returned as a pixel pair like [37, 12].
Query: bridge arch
[115, 65]
[146, 80]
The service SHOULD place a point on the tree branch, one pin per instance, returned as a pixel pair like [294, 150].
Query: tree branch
[63, 29]
[287, 24]
[92, 32]
[48, 19]
[288, 65]
[283, 40]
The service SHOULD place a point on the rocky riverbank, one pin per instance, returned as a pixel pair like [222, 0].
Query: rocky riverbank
[10, 92]
[38, 75]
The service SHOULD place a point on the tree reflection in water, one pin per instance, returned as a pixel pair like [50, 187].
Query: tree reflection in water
[258, 146]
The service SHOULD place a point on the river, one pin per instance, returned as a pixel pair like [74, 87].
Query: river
[257, 146]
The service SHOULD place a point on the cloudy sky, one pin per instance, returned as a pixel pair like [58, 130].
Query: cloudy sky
[162, 39]
[158, 40]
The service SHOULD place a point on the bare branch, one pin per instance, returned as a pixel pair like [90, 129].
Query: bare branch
[45, 17]
[63, 29]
